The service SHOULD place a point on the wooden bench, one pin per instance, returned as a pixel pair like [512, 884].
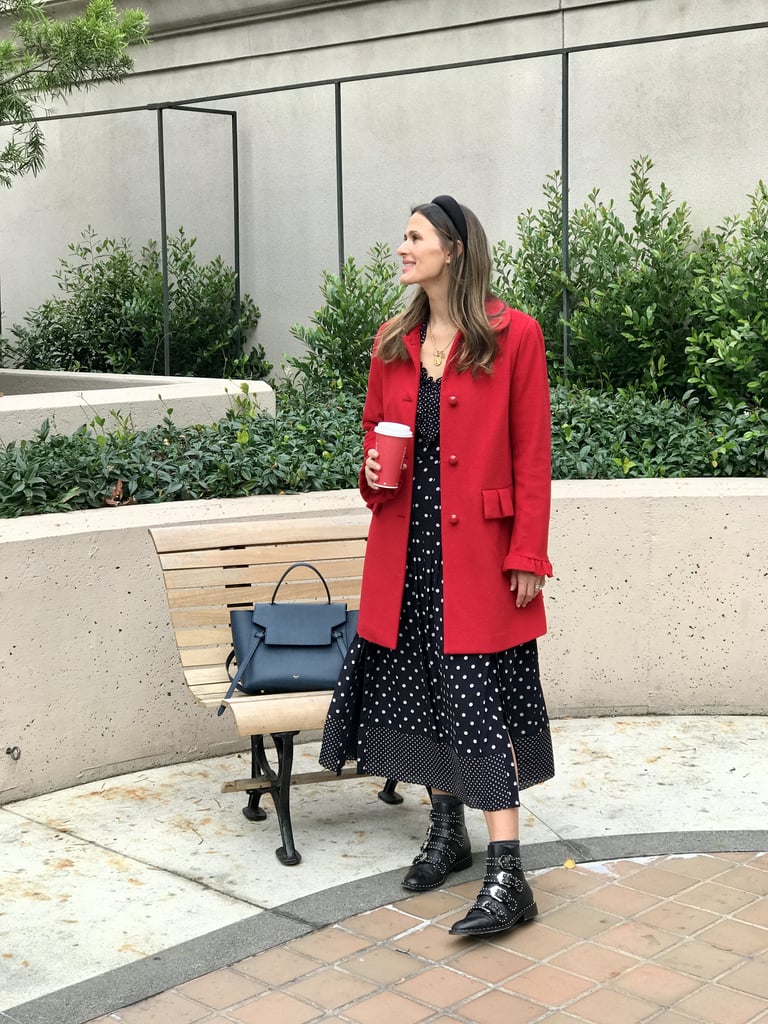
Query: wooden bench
[210, 568]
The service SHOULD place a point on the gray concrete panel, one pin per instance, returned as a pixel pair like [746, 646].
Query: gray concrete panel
[693, 106]
[488, 135]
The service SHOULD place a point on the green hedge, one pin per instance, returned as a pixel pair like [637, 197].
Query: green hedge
[314, 441]
[630, 434]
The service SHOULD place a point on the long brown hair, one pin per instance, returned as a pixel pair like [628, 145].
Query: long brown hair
[468, 289]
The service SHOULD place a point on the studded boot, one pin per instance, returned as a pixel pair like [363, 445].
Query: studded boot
[446, 847]
[505, 898]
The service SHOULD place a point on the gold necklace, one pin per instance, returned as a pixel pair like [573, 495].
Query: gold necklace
[438, 354]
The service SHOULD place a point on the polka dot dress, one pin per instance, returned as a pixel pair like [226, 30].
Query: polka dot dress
[418, 715]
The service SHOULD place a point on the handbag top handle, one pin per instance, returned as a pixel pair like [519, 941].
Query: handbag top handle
[306, 565]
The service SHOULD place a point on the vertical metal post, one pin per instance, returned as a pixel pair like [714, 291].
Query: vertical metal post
[236, 212]
[339, 180]
[566, 179]
[164, 245]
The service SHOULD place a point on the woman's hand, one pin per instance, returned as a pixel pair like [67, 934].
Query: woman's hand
[372, 468]
[527, 585]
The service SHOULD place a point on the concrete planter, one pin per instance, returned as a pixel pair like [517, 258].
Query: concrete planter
[659, 606]
[69, 400]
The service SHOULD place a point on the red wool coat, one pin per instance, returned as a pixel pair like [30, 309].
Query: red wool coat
[495, 482]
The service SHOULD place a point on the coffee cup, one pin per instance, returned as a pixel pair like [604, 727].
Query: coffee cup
[391, 443]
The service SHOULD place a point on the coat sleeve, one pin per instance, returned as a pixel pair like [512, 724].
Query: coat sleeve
[531, 438]
[373, 413]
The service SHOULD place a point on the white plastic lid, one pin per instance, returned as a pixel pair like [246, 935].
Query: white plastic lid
[394, 429]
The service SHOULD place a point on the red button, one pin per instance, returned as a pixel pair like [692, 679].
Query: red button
[453, 460]
[453, 400]
[453, 520]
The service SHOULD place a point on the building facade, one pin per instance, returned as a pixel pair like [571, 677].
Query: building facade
[350, 111]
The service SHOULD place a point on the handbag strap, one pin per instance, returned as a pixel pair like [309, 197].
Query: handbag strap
[306, 565]
[341, 640]
[234, 680]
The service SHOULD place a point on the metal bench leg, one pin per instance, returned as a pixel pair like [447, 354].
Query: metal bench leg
[260, 769]
[281, 794]
[279, 788]
[388, 794]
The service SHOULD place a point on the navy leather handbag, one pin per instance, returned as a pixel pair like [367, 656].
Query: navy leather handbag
[289, 647]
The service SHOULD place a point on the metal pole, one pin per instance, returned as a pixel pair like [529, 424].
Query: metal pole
[339, 180]
[236, 214]
[564, 159]
[164, 245]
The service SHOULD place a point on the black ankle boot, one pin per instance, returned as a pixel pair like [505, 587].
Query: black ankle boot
[446, 846]
[505, 898]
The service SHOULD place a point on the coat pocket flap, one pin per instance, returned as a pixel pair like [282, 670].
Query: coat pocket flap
[498, 502]
[299, 625]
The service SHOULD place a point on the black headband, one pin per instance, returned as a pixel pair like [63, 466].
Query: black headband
[455, 214]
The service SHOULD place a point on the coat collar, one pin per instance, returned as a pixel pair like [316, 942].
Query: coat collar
[499, 313]
[412, 342]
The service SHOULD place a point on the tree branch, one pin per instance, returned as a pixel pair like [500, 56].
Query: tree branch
[33, 69]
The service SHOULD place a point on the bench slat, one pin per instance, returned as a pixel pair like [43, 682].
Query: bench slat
[267, 554]
[206, 674]
[243, 596]
[220, 586]
[195, 537]
[256, 571]
[211, 700]
[225, 597]
[194, 656]
[203, 636]
[282, 712]
[184, 618]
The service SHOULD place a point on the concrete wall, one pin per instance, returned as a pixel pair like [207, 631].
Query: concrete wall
[141, 400]
[43, 382]
[659, 606]
[489, 134]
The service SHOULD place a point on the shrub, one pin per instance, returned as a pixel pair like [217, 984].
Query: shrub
[728, 345]
[629, 287]
[631, 314]
[531, 277]
[357, 302]
[109, 315]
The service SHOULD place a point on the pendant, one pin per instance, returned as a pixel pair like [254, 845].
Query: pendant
[437, 358]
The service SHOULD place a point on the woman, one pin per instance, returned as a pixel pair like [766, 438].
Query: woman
[441, 686]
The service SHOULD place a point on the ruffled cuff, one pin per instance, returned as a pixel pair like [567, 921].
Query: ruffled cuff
[373, 497]
[526, 563]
